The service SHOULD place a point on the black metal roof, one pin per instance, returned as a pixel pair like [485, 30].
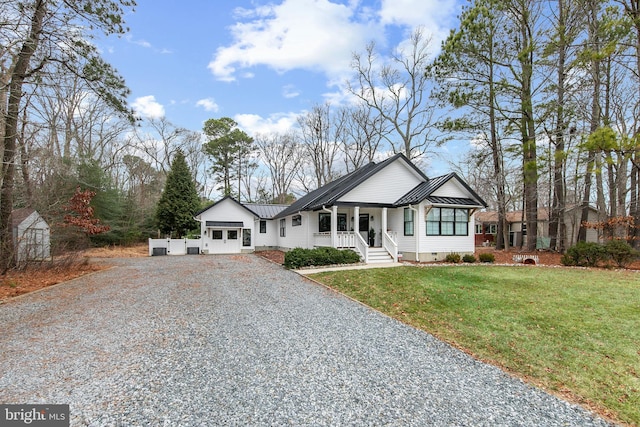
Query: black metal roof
[425, 190]
[329, 193]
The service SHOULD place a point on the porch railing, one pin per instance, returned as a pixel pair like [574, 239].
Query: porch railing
[362, 247]
[345, 239]
[390, 245]
[322, 239]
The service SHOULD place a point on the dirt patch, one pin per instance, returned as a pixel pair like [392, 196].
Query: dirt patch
[273, 256]
[61, 269]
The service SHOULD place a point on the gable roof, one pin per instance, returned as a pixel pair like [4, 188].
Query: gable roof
[222, 200]
[19, 215]
[425, 190]
[329, 193]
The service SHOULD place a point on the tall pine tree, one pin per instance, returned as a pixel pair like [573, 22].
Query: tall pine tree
[179, 200]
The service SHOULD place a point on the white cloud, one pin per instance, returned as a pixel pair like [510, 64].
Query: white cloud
[279, 122]
[147, 107]
[139, 42]
[316, 35]
[290, 91]
[209, 104]
[435, 15]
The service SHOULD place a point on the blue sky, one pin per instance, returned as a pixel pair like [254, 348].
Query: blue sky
[261, 63]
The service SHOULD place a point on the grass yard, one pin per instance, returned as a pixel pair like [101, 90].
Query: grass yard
[575, 332]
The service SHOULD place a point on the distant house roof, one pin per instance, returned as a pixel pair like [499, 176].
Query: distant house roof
[265, 210]
[517, 216]
[19, 215]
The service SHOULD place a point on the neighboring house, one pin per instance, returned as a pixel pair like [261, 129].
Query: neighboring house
[31, 236]
[380, 210]
[487, 224]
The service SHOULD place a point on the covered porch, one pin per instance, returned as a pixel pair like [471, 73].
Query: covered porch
[363, 229]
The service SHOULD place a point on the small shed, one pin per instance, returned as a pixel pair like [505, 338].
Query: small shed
[31, 236]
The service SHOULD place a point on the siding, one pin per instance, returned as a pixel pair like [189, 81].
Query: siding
[387, 186]
[451, 189]
[298, 236]
[228, 210]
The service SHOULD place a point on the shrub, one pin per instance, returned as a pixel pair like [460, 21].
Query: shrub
[453, 258]
[620, 252]
[299, 257]
[469, 258]
[487, 257]
[584, 254]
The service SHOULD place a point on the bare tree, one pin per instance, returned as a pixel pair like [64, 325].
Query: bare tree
[321, 133]
[364, 132]
[282, 155]
[397, 89]
[54, 33]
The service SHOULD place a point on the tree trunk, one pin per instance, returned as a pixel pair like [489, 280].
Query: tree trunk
[596, 114]
[557, 227]
[18, 76]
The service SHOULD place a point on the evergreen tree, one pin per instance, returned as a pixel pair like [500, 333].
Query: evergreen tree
[179, 200]
[227, 145]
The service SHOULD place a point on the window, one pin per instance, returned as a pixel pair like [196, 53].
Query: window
[283, 227]
[448, 222]
[479, 228]
[296, 220]
[246, 237]
[216, 234]
[491, 229]
[324, 222]
[232, 234]
[408, 222]
[342, 222]
[263, 226]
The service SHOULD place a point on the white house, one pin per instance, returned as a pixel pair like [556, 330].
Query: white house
[31, 236]
[381, 210]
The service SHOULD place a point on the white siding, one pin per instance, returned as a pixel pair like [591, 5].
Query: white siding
[298, 236]
[452, 188]
[387, 186]
[268, 239]
[227, 210]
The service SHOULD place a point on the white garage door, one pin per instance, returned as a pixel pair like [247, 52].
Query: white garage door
[225, 241]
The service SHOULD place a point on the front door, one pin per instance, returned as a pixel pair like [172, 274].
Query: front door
[225, 241]
[363, 226]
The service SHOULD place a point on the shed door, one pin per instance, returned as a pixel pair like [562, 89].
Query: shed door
[225, 240]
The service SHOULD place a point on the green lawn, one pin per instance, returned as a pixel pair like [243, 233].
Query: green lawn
[572, 331]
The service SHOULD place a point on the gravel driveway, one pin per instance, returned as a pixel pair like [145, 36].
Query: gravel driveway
[236, 340]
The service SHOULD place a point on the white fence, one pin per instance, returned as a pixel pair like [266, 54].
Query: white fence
[174, 247]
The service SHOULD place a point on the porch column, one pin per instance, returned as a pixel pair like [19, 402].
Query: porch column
[356, 219]
[334, 226]
[384, 222]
